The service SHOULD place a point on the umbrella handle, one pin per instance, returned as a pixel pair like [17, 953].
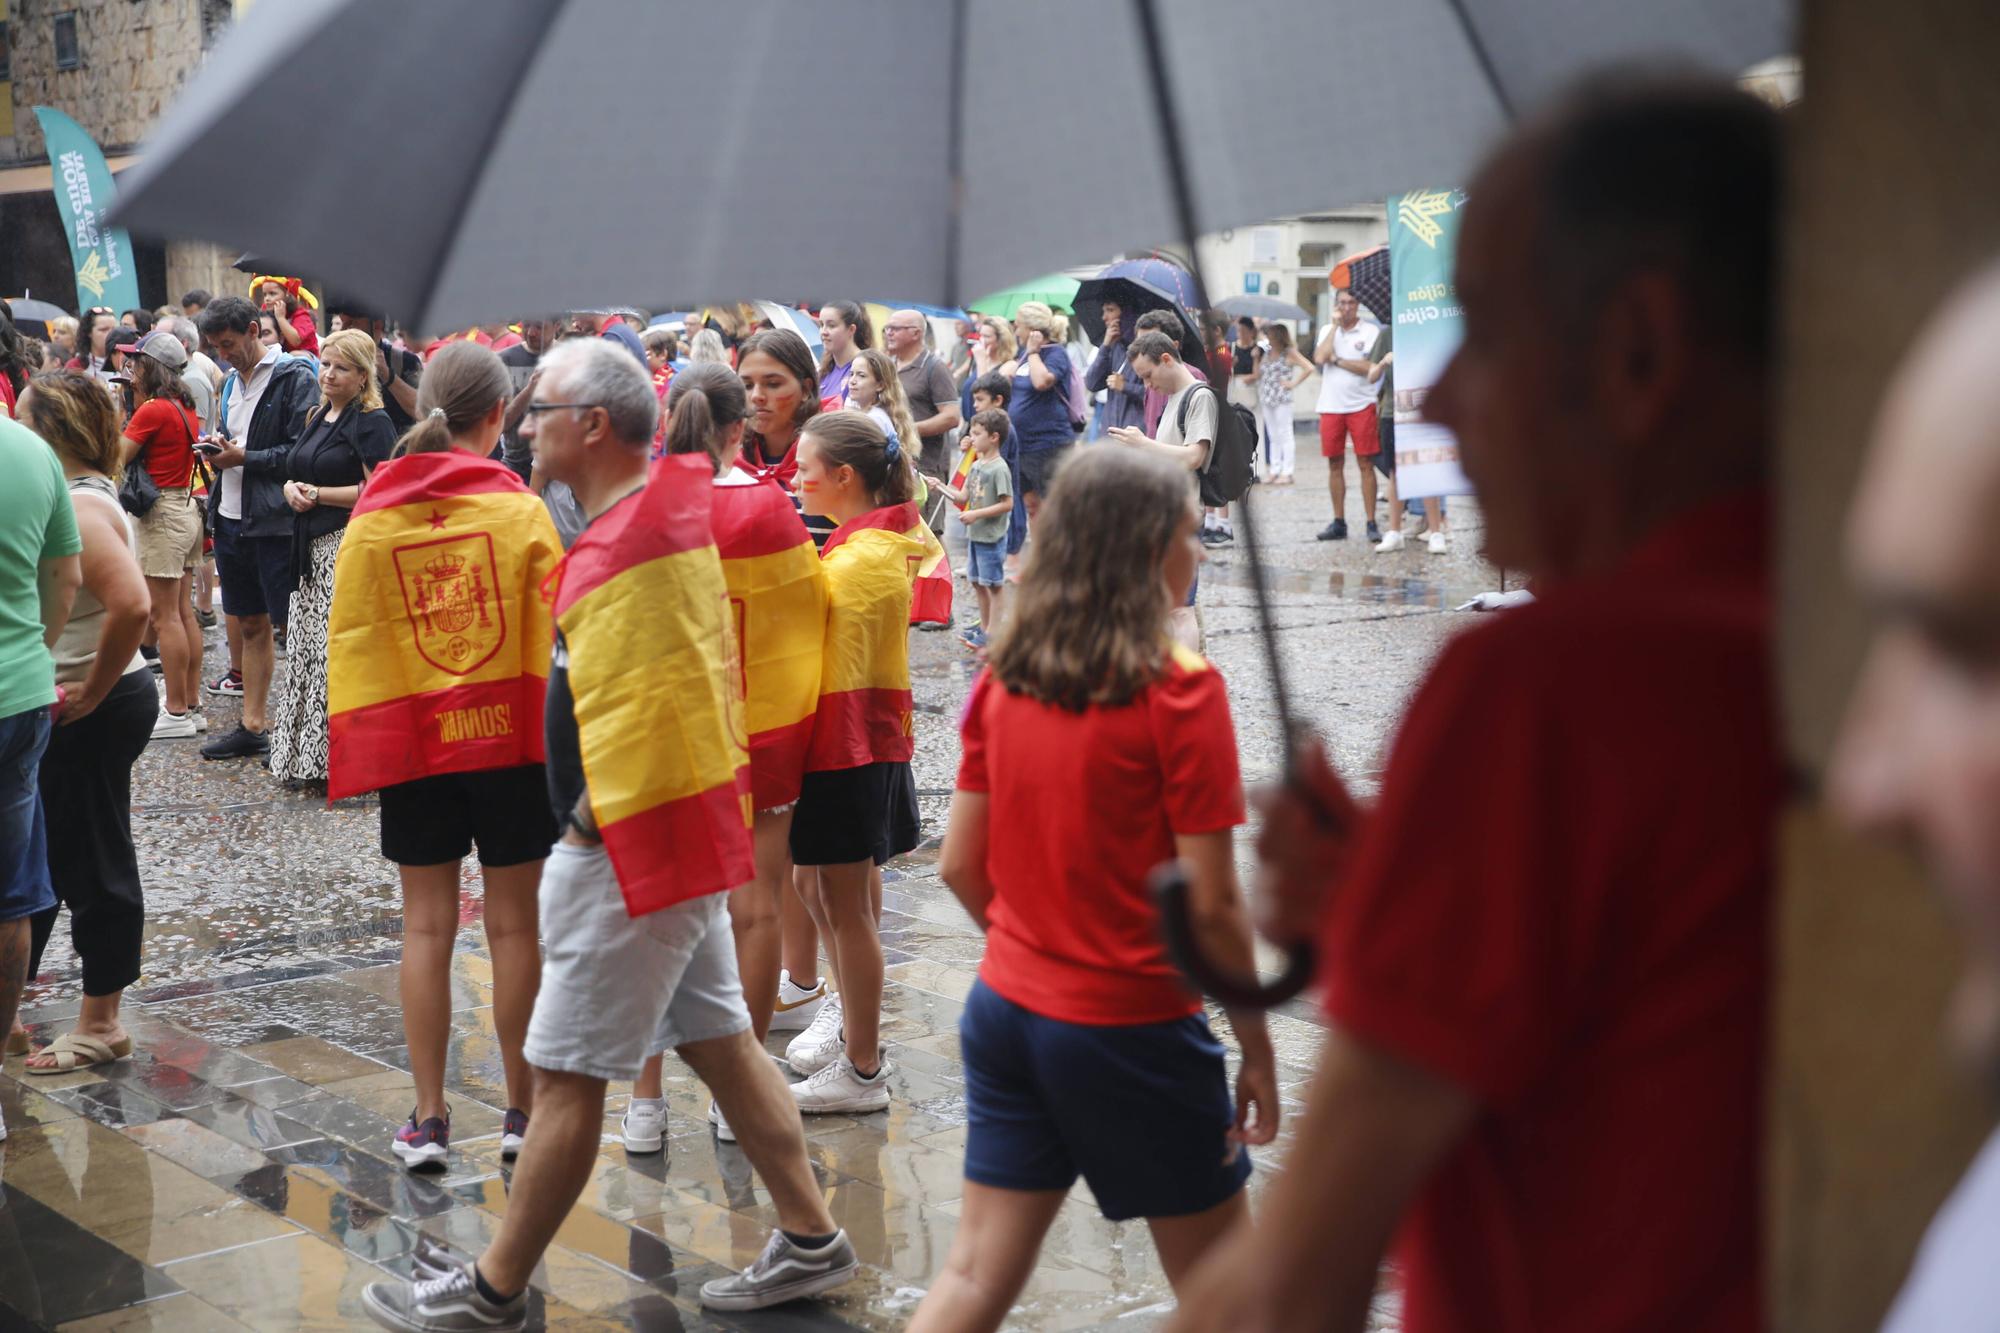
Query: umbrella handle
[1169, 883]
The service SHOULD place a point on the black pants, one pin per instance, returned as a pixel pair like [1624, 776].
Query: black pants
[86, 781]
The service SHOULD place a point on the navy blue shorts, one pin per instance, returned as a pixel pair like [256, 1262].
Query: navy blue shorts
[255, 572]
[1142, 1113]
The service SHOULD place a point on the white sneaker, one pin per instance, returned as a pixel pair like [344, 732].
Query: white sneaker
[819, 1045]
[644, 1127]
[838, 1087]
[200, 716]
[1392, 540]
[173, 726]
[797, 1007]
[722, 1129]
[1438, 544]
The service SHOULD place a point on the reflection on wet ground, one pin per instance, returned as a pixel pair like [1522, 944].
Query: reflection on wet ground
[235, 1172]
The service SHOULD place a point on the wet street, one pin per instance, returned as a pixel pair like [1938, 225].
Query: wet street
[236, 1172]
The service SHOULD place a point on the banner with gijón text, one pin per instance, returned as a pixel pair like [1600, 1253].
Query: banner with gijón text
[103, 255]
[1423, 243]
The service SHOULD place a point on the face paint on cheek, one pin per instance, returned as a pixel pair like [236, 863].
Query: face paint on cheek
[808, 487]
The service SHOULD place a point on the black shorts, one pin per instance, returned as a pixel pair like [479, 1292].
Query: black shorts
[1038, 468]
[435, 820]
[855, 814]
[1385, 430]
[255, 572]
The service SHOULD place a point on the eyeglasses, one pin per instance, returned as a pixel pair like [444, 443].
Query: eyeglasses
[535, 409]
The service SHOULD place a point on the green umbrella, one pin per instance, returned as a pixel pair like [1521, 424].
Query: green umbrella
[1055, 291]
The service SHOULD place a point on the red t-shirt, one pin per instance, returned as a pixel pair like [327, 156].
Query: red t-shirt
[1082, 807]
[1561, 904]
[166, 429]
[302, 320]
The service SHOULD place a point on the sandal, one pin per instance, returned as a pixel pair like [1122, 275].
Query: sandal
[74, 1051]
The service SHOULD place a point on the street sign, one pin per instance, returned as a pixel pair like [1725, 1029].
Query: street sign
[1253, 284]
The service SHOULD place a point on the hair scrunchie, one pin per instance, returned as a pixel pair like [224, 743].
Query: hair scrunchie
[892, 447]
[436, 414]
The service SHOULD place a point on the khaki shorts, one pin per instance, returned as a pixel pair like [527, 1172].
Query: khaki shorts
[170, 535]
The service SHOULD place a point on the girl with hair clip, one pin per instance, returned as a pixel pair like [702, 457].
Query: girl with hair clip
[857, 803]
[1085, 1053]
[777, 590]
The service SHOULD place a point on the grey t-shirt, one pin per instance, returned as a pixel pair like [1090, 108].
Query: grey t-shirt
[1201, 417]
[203, 394]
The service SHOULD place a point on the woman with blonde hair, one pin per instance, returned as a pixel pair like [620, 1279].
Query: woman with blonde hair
[1039, 405]
[707, 346]
[104, 717]
[345, 437]
[874, 387]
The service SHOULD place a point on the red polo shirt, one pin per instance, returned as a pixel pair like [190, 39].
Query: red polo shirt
[1561, 904]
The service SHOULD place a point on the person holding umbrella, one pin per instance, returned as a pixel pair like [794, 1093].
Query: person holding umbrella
[1109, 374]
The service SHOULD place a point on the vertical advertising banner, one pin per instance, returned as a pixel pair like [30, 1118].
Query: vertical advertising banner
[102, 255]
[1423, 245]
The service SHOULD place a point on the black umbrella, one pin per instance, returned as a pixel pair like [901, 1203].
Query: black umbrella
[40, 313]
[1136, 286]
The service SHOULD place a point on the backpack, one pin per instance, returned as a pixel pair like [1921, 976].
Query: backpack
[1079, 400]
[1231, 455]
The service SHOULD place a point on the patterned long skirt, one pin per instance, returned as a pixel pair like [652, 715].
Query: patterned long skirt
[298, 714]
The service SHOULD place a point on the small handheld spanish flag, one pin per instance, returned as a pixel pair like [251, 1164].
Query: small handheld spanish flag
[777, 600]
[865, 714]
[642, 606]
[438, 642]
[930, 582]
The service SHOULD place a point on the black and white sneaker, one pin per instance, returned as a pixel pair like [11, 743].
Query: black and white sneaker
[783, 1272]
[447, 1304]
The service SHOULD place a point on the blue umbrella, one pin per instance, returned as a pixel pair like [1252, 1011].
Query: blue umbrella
[1136, 286]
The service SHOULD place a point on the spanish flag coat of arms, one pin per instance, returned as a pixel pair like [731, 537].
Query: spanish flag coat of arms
[438, 642]
[777, 605]
[642, 607]
[872, 566]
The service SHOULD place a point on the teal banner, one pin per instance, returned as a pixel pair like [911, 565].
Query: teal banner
[102, 255]
[1423, 245]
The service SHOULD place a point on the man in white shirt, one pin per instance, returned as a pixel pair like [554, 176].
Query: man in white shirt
[1347, 410]
[1186, 435]
[1920, 755]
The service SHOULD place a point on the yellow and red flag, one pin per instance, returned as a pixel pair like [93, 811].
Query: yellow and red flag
[641, 604]
[777, 601]
[930, 578]
[864, 714]
[438, 643]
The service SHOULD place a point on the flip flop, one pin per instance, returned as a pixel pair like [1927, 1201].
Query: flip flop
[17, 1043]
[74, 1051]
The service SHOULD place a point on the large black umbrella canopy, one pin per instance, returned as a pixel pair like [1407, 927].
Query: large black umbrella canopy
[1136, 286]
[480, 170]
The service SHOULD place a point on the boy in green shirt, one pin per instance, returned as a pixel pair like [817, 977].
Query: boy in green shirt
[987, 499]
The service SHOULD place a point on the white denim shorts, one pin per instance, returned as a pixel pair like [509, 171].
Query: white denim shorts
[616, 989]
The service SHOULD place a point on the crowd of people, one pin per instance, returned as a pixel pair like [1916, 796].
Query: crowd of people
[1545, 1076]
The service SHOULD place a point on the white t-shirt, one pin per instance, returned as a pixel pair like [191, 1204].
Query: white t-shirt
[1201, 417]
[1955, 1283]
[1343, 390]
[242, 408]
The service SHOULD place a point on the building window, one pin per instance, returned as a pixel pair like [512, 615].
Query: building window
[67, 55]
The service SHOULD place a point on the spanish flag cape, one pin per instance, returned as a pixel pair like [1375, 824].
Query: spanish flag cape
[864, 694]
[777, 601]
[641, 605]
[438, 642]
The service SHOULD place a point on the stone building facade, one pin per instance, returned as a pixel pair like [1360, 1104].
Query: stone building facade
[114, 66]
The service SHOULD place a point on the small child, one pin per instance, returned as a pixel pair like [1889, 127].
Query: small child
[987, 499]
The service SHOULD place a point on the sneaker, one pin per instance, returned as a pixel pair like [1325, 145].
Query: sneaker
[644, 1126]
[1374, 532]
[1213, 537]
[238, 743]
[797, 1007]
[278, 648]
[819, 1045]
[722, 1129]
[933, 626]
[229, 682]
[173, 726]
[1392, 540]
[513, 1133]
[200, 717]
[430, 1260]
[3, 1126]
[427, 1144]
[783, 1272]
[443, 1304]
[205, 619]
[1335, 531]
[973, 638]
[152, 656]
[840, 1087]
[1439, 544]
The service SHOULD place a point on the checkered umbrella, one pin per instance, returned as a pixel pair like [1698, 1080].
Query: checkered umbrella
[1367, 276]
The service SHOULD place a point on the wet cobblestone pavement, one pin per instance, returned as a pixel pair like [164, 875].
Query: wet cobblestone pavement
[235, 1172]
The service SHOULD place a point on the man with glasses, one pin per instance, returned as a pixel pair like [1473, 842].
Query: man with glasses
[929, 388]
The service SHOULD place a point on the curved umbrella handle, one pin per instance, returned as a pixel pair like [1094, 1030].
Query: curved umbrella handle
[1170, 890]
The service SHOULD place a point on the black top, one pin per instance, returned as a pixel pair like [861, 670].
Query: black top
[563, 749]
[409, 368]
[1241, 359]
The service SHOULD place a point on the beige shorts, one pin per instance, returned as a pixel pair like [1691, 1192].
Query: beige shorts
[170, 536]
